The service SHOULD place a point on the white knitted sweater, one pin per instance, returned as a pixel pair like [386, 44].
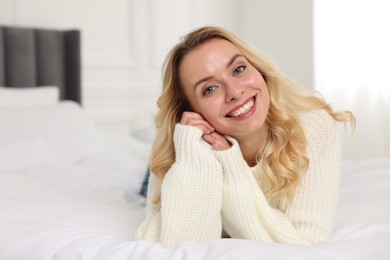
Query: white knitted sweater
[207, 191]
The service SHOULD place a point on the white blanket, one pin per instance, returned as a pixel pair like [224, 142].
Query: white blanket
[89, 208]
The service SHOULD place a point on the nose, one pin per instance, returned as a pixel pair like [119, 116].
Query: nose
[233, 92]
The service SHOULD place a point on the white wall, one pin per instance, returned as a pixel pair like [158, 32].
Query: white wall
[352, 69]
[124, 43]
[283, 31]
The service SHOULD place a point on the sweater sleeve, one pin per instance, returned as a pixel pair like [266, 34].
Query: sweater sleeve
[191, 194]
[308, 219]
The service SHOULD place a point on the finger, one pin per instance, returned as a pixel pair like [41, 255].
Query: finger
[200, 123]
[195, 119]
[217, 141]
[217, 147]
[221, 142]
[208, 138]
[187, 115]
[190, 115]
[205, 129]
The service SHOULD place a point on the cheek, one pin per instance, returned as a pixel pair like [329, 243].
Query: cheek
[210, 110]
[256, 80]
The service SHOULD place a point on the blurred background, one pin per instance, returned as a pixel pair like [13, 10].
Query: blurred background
[337, 47]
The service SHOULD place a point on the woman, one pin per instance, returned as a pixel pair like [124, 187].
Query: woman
[241, 151]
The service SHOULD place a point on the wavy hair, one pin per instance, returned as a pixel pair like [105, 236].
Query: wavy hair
[283, 156]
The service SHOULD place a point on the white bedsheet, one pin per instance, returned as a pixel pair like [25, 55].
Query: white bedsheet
[91, 209]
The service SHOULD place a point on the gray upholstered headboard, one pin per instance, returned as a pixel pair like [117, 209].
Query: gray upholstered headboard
[33, 57]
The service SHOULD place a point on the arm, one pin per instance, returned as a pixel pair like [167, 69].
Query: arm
[191, 194]
[309, 218]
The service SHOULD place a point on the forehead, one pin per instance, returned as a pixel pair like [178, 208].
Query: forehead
[212, 48]
[206, 59]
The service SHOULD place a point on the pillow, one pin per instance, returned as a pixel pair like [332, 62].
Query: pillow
[59, 133]
[29, 97]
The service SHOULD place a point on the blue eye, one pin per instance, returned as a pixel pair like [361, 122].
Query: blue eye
[209, 90]
[239, 70]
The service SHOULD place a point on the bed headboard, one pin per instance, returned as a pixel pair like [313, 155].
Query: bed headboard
[33, 57]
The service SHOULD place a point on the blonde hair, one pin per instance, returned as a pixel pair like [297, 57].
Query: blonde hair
[284, 159]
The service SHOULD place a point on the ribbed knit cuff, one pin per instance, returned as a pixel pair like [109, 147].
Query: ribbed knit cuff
[233, 163]
[190, 148]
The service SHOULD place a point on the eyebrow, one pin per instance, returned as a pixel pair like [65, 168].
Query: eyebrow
[210, 77]
[233, 59]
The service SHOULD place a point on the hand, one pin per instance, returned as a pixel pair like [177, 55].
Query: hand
[195, 119]
[215, 139]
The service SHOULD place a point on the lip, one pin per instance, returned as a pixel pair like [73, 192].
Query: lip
[250, 112]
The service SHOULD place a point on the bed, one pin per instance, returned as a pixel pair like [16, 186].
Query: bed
[70, 191]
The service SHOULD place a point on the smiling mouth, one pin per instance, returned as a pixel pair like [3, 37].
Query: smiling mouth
[243, 109]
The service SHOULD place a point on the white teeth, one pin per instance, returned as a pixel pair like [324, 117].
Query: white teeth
[242, 110]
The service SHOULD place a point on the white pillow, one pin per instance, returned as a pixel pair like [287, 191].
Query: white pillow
[59, 133]
[29, 97]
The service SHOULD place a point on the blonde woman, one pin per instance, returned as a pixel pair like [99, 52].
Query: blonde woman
[241, 151]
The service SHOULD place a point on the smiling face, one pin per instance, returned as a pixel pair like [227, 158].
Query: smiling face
[222, 86]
